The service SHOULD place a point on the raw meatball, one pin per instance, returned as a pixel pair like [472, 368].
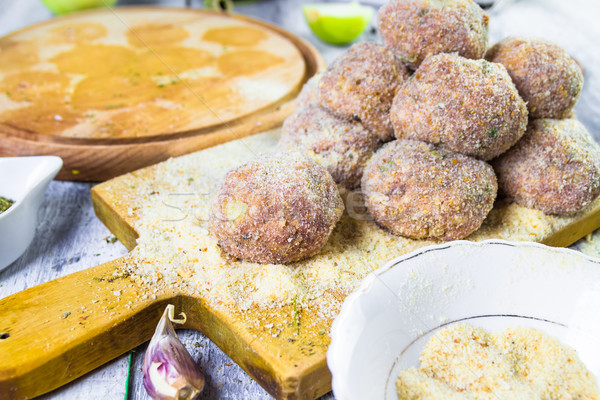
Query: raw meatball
[276, 209]
[467, 106]
[417, 190]
[342, 146]
[361, 85]
[548, 79]
[555, 167]
[309, 95]
[416, 29]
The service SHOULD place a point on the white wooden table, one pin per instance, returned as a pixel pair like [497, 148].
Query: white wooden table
[70, 238]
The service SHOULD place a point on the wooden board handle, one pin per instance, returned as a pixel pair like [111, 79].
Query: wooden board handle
[55, 332]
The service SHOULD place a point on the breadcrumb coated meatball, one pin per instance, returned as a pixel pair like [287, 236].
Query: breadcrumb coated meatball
[555, 167]
[309, 95]
[468, 106]
[548, 79]
[416, 29]
[417, 190]
[361, 85]
[276, 209]
[342, 146]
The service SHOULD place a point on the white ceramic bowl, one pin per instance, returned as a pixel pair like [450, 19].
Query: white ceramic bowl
[384, 325]
[23, 180]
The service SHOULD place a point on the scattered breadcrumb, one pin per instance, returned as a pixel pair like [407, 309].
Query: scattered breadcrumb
[175, 250]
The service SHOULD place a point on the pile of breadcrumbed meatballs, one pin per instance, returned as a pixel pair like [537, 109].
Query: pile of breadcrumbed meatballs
[430, 126]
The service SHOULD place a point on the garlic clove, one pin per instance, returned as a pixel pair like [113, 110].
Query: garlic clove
[170, 372]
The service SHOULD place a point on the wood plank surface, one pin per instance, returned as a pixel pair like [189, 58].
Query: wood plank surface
[94, 87]
[69, 238]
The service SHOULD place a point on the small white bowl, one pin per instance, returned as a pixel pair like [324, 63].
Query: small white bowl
[384, 325]
[23, 180]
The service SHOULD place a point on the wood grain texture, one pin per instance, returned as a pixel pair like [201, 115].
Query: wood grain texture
[110, 312]
[88, 318]
[78, 307]
[135, 86]
[69, 238]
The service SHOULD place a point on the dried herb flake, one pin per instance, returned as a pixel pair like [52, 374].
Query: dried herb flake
[5, 204]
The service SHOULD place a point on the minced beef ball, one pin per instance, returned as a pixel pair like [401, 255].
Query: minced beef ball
[361, 84]
[548, 79]
[468, 106]
[416, 29]
[418, 190]
[309, 95]
[555, 167]
[342, 146]
[276, 209]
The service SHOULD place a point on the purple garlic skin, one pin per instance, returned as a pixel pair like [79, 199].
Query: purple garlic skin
[170, 372]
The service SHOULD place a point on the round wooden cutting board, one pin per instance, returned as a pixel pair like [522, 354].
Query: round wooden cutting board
[114, 90]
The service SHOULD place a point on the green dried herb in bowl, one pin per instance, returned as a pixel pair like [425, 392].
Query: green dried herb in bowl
[5, 204]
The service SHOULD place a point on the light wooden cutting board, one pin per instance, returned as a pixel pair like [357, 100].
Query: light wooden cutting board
[112, 91]
[55, 332]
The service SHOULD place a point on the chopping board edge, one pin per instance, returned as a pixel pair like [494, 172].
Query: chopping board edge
[99, 159]
[95, 163]
[82, 321]
[585, 225]
[280, 378]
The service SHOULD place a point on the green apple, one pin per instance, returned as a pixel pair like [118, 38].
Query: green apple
[59, 7]
[337, 23]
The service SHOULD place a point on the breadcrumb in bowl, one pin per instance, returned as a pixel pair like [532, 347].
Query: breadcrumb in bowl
[465, 362]
[495, 285]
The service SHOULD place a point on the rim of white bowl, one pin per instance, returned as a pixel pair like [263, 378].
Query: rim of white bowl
[55, 166]
[348, 305]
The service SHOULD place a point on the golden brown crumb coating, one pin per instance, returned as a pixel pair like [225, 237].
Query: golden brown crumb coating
[555, 167]
[309, 95]
[416, 29]
[342, 146]
[361, 85]
[417, 190]
[276, 209]
[468, 106]
[463, 362]
[548, 79]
